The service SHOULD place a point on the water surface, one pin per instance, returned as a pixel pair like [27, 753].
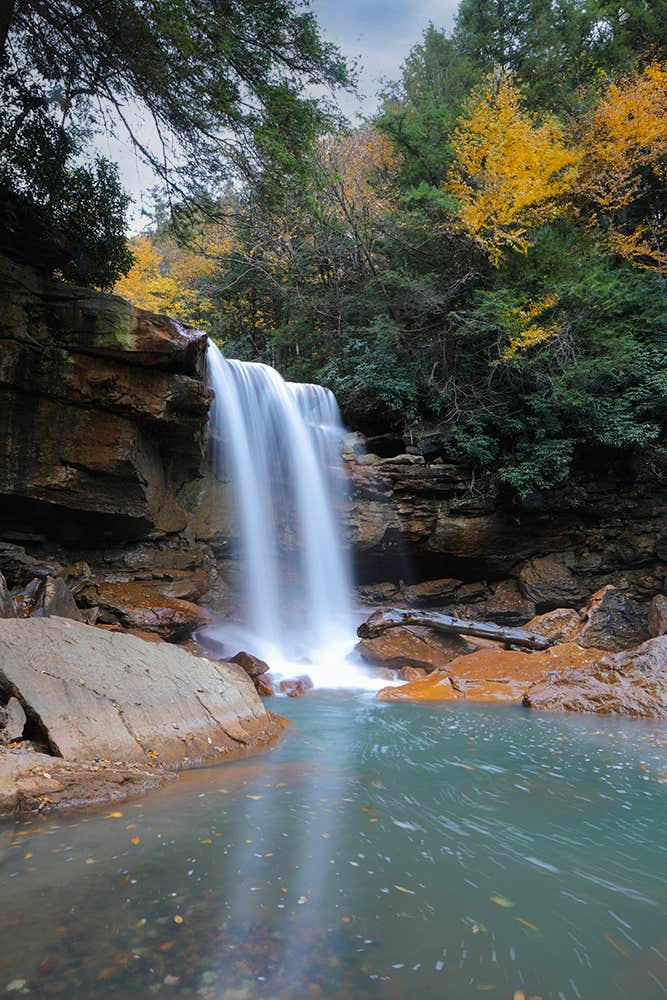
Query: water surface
[380, 850]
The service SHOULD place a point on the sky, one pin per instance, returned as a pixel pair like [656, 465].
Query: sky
[378, 34]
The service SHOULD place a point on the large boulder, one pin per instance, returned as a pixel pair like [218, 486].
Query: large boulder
[613, 621]
[550, 584]
[411, 646]
[92, 694]
[631, 683]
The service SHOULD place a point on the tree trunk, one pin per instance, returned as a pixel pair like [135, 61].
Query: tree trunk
[395, 617]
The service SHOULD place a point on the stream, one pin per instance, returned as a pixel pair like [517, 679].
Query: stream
[379, 850]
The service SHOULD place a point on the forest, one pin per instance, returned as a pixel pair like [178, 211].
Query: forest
[479, 266]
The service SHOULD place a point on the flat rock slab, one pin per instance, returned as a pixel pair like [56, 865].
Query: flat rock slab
[34, 782]
[92, 694]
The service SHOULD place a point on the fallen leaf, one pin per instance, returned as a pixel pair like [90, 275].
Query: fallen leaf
[501, 901]
[401, 888]
[527, 923]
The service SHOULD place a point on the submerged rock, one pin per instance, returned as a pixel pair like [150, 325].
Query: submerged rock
[89, 694]
[630, 683]
[612, 621]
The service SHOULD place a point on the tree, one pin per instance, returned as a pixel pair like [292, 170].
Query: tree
[511, 174]
[625, 166]
[217, 84]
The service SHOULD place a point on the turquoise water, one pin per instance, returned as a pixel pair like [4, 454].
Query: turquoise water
[381, 850]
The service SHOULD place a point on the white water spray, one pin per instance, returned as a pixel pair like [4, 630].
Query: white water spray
[278, 444]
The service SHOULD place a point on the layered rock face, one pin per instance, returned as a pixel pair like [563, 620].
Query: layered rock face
[409, 520]
[103, 410]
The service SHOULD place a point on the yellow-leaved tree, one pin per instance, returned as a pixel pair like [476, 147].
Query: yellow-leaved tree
[169, 279]
[511, 173]
[624, 170]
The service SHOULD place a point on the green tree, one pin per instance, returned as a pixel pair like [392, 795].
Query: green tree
[217, 85]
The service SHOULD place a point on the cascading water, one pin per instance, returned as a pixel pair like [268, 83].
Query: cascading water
[278, 444]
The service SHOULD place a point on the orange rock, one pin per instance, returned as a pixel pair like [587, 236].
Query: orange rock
[294, 687]
[436, 687]
[412, 646]
[411, 673]
[492, 674]
[137, 605]
[265, 685]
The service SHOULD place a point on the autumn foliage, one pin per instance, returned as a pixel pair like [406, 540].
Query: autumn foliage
[624, 171]
[511, 173]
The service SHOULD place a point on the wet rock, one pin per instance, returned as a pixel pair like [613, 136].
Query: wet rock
[411, 673]
[7, 606]
[613, 621]
[657, 616]
[294, 687]
[12, 721]
[265, 686]
[140, 605]
[492, 674]
[436, 687]
[412, 646]
[550, 584]
[253, 666]
[36, 782]
[631, 683]
[431, 591]
[367, 459]
[90, 694]
[560, 625]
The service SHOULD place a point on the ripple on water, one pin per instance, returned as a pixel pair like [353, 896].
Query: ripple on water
[378, 850]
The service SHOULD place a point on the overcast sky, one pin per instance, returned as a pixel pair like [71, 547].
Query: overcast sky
[376, 33]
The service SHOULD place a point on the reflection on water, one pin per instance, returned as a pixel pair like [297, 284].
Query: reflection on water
[380, 850]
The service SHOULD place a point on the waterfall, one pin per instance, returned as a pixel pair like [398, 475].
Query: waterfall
[278, 445]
